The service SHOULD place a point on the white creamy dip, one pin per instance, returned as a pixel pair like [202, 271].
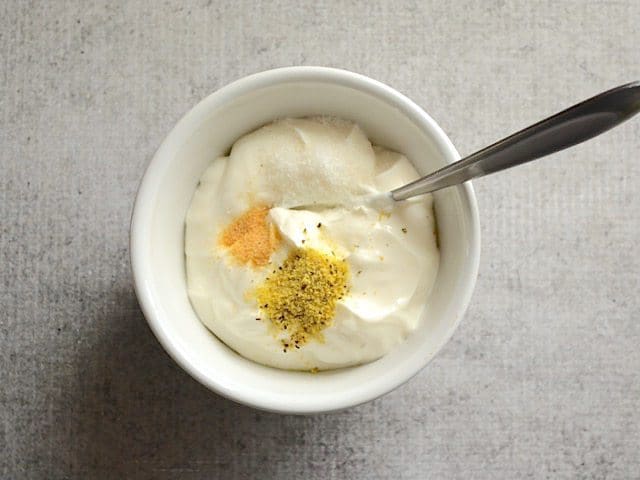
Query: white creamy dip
[392, 255]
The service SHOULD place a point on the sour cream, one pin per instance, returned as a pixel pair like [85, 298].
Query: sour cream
[391, 251]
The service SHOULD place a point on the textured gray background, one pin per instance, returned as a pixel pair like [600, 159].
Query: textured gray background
[542, 380]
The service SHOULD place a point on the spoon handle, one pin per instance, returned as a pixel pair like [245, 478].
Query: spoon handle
[565, 129]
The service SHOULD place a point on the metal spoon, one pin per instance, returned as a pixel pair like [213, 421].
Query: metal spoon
[563, 130]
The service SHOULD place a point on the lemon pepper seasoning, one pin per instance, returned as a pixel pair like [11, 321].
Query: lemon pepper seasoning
[300, 298]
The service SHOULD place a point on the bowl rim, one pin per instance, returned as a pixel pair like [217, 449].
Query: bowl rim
[142, 214]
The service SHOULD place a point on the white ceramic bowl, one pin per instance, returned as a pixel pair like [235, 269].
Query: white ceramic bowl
[209, 130]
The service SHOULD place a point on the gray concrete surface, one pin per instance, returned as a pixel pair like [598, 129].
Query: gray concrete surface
[542, 380]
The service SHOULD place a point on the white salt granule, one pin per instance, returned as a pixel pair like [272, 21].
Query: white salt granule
[305, 161]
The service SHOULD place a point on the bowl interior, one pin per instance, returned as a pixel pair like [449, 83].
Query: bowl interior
[208, 131]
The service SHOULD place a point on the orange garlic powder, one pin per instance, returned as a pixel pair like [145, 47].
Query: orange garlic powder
[250, 239]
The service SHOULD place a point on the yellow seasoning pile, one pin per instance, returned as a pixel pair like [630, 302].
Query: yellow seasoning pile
[299, 297]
